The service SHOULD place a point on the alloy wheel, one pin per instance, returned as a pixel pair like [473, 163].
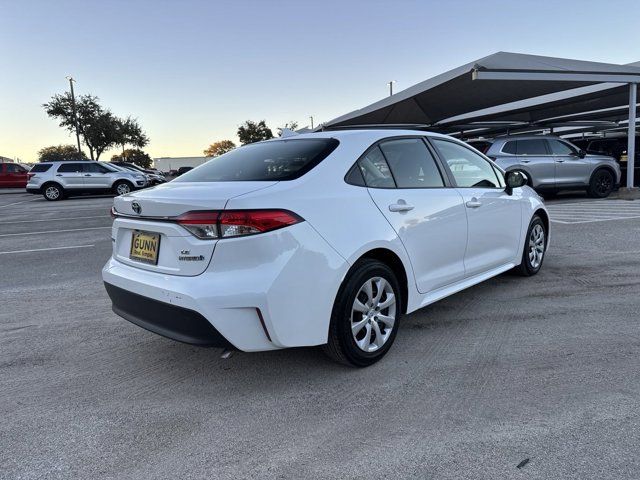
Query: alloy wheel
[52, 193]
[603, 184]
[536, 246]
[123, 189]
[373, 314]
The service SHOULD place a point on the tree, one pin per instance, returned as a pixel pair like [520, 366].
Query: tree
[98, 127]
[250, 132]
[60, 152]
[130, 133]
[101, 134]
[292, 125]
[219, 148]
[136, 156]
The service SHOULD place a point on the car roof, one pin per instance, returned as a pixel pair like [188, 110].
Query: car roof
[68, 161]
[363, 134]
[525, 137]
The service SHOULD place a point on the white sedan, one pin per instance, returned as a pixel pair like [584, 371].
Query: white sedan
[325, 239]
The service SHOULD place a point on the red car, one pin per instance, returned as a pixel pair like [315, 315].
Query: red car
[13, 175]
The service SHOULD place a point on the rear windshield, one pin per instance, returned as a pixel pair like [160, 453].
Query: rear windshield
[274, 160]
[41, 167]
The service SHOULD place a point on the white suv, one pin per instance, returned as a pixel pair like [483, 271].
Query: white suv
[57, 180]
[319, 239]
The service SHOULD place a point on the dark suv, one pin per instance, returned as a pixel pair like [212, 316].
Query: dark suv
[615, 147]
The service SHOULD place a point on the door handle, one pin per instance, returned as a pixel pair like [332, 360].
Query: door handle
[525, 161]
[58, 174]
[400, 207]
[87, 174]
[559, 161]
[473, 203]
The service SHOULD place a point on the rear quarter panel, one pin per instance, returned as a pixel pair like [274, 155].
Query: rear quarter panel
[344, 215]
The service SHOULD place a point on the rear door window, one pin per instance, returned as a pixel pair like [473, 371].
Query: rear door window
[375, 170]
[411, 163]
[94, 168]
[354, 176]
[70, 168]
[264, 161]
[532, 147]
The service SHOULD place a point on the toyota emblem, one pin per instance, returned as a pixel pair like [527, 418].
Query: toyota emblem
[135, 206]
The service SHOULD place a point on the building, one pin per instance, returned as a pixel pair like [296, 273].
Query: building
[165, 164]
[6, 160]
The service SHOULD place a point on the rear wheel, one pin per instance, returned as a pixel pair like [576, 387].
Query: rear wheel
[534, 248]
[365, 315]
[53, 192]
[601, 184]
[122, 187]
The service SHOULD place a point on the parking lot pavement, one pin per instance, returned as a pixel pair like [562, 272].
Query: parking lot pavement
[586, 211]
[544, 368]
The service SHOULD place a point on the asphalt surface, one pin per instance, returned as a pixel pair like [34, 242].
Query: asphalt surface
[544, 368]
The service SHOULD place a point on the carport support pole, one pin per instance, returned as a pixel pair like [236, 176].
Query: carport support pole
[631, 140]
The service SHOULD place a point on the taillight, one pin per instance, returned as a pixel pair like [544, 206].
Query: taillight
[235, 223]
[30, 176]
[113, 212]
[203, 225]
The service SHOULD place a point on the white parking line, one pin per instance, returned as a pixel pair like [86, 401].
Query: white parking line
[55, 219]
[18, 203]
[595, 211]
[34, 210]
[589, 221]
[46, 249]
[51, 231]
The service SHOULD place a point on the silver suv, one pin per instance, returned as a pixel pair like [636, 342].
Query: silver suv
[551, 163]
[57, 180]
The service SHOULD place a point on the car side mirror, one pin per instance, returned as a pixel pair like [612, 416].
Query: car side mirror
[514, 179]
[582, 153]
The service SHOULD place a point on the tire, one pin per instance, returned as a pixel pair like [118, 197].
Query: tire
[601, 184]
[531, 262]
[342, 346]
[122, 187]
[52, 192]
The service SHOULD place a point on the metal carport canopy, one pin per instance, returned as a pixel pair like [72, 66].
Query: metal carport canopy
[496, 80]
[603, 100]
[455, 92]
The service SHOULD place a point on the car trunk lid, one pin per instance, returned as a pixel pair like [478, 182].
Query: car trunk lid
[146, 218]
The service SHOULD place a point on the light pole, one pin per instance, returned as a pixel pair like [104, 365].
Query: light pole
[391, 86]
[311, 118]
[75, 116]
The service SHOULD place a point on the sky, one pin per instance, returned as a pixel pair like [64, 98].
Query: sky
[191, 71]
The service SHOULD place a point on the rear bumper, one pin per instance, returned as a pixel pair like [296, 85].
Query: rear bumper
[261, 292]
[33, 190]
[171, 321]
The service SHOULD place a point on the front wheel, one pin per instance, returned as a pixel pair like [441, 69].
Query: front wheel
[601, 184]
[122, 188]
[365, 315]
[534, 248]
